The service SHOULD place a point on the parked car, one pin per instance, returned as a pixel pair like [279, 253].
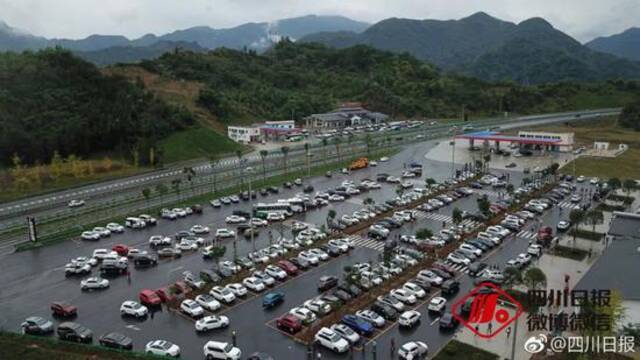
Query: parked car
[36, 325]
[75, 332]
[272, 299]
[331, 340]
[162, 348]
[409, 318]
[116, 340]
[289, 323]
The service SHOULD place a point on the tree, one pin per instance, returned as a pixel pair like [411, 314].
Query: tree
[190, 173]
[611, 315]
[331, 215]
[56, 166]
[162, 190]
[307, 157]
[285, 153]
[535, 278]
[429, 181]
[512, 276]
[484, 205]
[614, 184]
[146, 192]
[367, 141]
[263, 157]
[487, 159]
[594, 218]
[456, 216]
[175, 185]
[628, 186]
[510, 189]
[577, 217]
[19, 173]
[423, 233]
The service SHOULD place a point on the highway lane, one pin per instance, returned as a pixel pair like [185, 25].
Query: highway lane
[119, 187]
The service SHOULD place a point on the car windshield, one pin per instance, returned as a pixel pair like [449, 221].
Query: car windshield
[228, 348]
[334, 337]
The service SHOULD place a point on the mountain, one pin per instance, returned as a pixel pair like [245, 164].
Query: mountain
[258, 36]
[483, 46]
[625, 44]
[132, 54]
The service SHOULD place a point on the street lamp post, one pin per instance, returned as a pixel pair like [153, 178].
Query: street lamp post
[249, 171]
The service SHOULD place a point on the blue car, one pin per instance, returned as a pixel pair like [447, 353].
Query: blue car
[272, 299]
[358, 325]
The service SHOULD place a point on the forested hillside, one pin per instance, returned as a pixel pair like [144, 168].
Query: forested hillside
[301, 79]
[53, 101]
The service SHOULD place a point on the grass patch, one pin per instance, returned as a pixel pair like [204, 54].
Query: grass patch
[610, 208]
[627, 200]
[456, 350]
[624, 166]
[16, 346]
[197, 142]
[569, 252]
[586, 234]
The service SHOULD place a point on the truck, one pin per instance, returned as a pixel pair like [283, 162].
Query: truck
[416, 168]
[360, 163]
[545, 236]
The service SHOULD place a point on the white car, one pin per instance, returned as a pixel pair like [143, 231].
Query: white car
[404, 295]
[90, 235]
[309, 257]
[200, 229]
[191, 308]
[275, 216]
[75, 203]
[318, 306]
[159, 240]
[259, 222]
[534, 249]
[342, 245]
[187, 245]
[266, 279]
[237, 289]
[104, 232]
[372, 317]
[437, 304]
[275, 272]
[215, 203]
[133, 308]
[349, 220]
[430, 276]
[115, 227]
[222, 294]
[346, 332]
[474, 250]
[594, 181]
[384, 159]
[225, 233]
[86, 260]
[409, 318]
[221, 350]
[168, 214]
[180, 212]
[212, 322]
[303, 314]
[413, 350]
[77, 268]
[331, 340]
[208, 302]
[253, 284]
[416, 290]
[234, 219]
[524, 258]
[101, 253]
[162, 348]
[336, 197]
[563, 225]
[319, 253]
[94, 283]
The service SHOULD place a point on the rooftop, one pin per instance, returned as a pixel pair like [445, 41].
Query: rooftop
[625, 225]
[496, 136]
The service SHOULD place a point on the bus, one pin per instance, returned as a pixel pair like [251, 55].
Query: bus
[261, 210]
[297, 205]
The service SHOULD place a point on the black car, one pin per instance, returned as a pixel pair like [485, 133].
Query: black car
[36, 325]
[332, 300]
[111, 270]
[274, 189]
[342, 295]
[260, 356]
[116, 341]
[264, 192]
[476, 268]
[145, 260]
[331, 250]
[327, 282]
[210, 276]
[308, 189]
[448, 322]
[478, 244]
[244, 214]
[300, 263]
[450, 287]
[443, 274]
[394, 223]
[71, 331]
[382, 177]
[353, 290]
[425, 285]
[384, 310]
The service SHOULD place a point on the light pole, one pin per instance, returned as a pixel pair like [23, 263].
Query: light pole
[453, 157]
[249, 171]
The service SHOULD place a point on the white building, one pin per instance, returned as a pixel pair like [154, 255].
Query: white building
[282, 124]
[244, 134]
[564, 142]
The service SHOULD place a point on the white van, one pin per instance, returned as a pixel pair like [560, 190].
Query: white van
[135, 223]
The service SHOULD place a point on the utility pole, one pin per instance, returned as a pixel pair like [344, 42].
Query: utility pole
[513, 343]
[249, 171]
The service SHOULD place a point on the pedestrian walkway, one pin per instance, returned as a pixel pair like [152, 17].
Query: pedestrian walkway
[567, 204]
[458, 267]
[445, 218]
[526, 234]
[376, 245]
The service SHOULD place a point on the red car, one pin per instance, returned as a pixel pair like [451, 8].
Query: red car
[149, 297]
[289, 323]
[121, 249]
[164, 294]
[181, 287]
[288, 267]
[64, 309]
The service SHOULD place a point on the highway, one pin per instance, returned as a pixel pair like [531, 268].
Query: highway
[53, 205]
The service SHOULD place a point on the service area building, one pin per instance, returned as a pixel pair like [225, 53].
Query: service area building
[564, 141]
[244, 134]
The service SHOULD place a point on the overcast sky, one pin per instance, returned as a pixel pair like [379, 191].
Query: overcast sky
[582, 19]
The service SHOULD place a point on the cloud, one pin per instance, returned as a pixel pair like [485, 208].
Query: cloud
[583, 19]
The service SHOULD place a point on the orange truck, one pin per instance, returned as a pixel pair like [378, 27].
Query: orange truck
[360, 163]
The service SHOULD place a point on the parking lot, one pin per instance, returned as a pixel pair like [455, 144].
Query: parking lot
[32, 280]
